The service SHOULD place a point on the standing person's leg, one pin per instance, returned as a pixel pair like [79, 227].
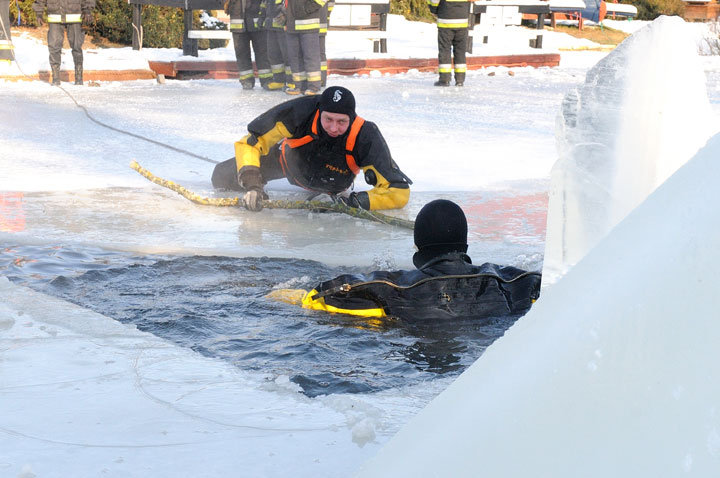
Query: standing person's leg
[294, 52]
[282, 42]
[262, 63]
[311, 58]
[444, 58]
[76, 38]
[276, 59]
[55, 37]
[460, 41]
[323, 60]
[241, 42]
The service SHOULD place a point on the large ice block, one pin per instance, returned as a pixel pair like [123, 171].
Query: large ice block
[641, 113]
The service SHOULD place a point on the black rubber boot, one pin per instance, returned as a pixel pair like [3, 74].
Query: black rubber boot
[55, 75]
[78, 74]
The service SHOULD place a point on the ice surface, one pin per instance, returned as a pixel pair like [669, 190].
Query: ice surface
[641, 113]
[80, 191]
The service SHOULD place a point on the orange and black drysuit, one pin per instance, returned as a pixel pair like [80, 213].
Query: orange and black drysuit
[288, 141]
[447, 287]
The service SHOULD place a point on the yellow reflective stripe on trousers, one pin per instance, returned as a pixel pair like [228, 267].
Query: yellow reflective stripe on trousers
[460, 68]
[5, 45]
[237, 24]
[445, 68]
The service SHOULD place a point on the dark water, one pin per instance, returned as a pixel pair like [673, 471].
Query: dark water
[217, 307]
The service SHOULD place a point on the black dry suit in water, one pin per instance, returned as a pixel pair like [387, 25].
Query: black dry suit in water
[445, 285]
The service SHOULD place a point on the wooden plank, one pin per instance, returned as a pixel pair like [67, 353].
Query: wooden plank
[211, 34]
[89, 75]
[228, 69]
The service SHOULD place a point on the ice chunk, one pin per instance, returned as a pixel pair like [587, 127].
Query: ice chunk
[642, 113]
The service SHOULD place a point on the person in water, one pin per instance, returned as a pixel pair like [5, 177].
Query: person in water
[444, 285]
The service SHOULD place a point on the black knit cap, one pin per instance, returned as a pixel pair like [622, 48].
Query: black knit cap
[440, 227]
[337, 99]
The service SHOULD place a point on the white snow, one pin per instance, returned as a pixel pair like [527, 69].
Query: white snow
[82, 395]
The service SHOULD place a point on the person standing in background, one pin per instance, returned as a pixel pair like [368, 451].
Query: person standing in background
[246, 25]
[303, 45]
[275, 20]
[452, 24]
[65, 16]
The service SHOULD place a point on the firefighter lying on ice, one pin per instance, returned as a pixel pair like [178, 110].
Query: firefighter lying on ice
[320, 144]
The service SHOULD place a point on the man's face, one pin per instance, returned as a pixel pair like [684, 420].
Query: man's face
[334, 124]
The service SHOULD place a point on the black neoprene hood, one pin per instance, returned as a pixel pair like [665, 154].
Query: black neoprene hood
[337, 99]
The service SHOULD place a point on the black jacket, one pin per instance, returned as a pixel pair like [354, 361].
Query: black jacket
[246, 15]
[63, 8]
[450, 13]
[447, 287]
[303, 16]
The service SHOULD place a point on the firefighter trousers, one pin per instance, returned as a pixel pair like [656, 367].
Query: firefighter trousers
[56, 35]
[323, 60]
[277, 53]
[303, 51]
[243, 54]
[452, 45]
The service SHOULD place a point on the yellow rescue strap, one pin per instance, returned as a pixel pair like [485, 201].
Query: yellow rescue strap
[276, 203]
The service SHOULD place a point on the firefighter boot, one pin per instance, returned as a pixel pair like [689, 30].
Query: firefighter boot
[444, 80]
[55, 75]
[78, 74]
